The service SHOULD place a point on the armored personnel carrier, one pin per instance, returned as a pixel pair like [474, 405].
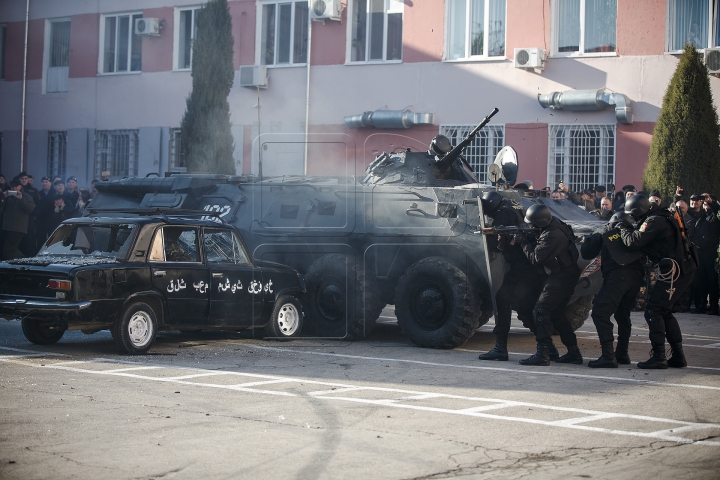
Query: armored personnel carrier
[405, 234]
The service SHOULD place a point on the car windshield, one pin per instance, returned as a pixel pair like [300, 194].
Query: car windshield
[97, 240]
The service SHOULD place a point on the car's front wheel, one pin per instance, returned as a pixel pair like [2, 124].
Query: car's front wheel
[40, 334]
[286, 319]
[134, 332]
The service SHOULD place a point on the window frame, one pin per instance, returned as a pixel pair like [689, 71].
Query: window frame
[555, 30]
[57, 153]
[259, 34]
[101, 54]
[476, 143]
[713, 28]
[132, 151]
[350, 33]
[468, 47]
[176, 35]
[551, 180]
[47, 51]
[234, 238]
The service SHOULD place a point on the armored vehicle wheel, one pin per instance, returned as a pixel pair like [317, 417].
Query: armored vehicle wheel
[286, 318]
[336, 308]
[434, 305]
[135, 330]
[40, 334]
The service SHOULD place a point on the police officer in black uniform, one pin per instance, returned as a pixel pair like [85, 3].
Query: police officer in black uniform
[522, 283]
[660, 237]
[621, 285]
[554, 252]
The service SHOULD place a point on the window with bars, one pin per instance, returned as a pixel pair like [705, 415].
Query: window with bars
[693, 21]
[581, 156]
[184, 36]
[284, 33]
[58, 61]
[121, 50]
[584, 26]
[476, 28]
[376, 30]
[57, 154]
[116, 152]
[177, 159]
[483, 149]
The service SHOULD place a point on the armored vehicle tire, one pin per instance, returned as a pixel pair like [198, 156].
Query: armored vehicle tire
[286, 318]
[135, 331]
[434, 304]
[40, 334]
[334, 308]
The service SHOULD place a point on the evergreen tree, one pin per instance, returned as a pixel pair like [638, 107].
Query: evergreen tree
[206, 139]
[685, 148]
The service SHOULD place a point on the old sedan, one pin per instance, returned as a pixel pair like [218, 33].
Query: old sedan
[135, 275]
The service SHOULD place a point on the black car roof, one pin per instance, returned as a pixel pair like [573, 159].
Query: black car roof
[144, 220]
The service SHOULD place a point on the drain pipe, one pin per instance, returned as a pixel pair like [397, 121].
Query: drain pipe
[22, 119]
[307, 96]
[589, 100]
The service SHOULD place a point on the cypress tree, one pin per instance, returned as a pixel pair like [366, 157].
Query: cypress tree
[206, 139]
[685, 148]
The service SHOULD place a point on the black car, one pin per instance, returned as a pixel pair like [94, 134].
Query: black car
[135, 275]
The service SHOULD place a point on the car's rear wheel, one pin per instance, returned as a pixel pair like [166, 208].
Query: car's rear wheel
[286, 319]
[135, 331]
[40, 334]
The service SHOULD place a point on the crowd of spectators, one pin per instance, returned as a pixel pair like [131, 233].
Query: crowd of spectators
[29, 213]
[701, 215]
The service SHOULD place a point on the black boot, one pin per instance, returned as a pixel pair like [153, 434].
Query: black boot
[572, 356]
[553, 353]
[657, 361]
[621, 351]
[677, 360]
[607, 360]
[540, 358]
[499, 352]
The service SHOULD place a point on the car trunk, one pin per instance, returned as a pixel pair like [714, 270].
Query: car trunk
[31, 281]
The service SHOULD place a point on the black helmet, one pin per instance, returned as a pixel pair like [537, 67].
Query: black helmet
[637, 205]
[440, 146]
[490, 202]
[538, 215]
[621, 217]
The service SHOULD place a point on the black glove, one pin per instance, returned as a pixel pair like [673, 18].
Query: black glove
[520, 238]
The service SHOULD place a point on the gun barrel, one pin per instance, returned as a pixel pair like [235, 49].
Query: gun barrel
[453, 154]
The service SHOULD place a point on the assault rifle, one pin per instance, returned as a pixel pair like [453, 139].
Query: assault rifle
[526, 230]
[453, 154]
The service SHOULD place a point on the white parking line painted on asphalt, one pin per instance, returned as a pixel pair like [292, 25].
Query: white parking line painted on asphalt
[537, 371]
[402, 398]
[22, 350]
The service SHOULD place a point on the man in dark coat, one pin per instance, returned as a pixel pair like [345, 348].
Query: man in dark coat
[554, 253]
[16, 208]
[706, 234]
[621, 285]
[522, 283]
[660, 237]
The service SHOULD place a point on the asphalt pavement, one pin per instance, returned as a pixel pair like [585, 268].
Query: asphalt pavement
[223, 405]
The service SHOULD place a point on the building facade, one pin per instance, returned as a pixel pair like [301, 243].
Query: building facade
[102, 96]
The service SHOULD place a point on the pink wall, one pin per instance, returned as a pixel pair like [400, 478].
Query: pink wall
[329, 41]
[640, 27]
[157, 52]
[530, 141]
[632, 150]
[423, 31]
[84, 45]
[15, 36]
[36, 44]
[525, 26]
[243, 30]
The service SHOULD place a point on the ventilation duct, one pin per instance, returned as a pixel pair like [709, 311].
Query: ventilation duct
[389, 119]
[589, 100]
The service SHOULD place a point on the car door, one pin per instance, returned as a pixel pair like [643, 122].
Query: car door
[179, 274]
[235, 284]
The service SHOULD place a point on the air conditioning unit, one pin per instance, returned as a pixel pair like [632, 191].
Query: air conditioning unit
[253, 76]
[530, 58]
[147, 26]
[325, 9]
[712, 60]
